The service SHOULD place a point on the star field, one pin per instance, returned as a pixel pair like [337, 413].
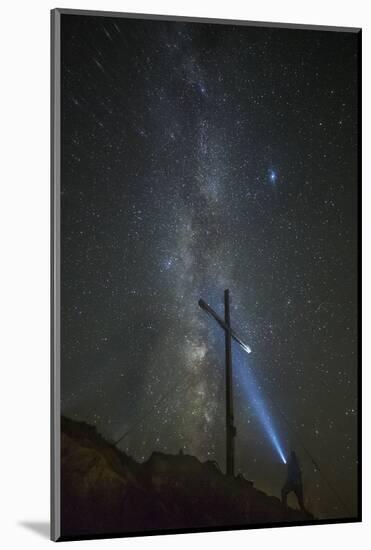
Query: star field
[199, 157]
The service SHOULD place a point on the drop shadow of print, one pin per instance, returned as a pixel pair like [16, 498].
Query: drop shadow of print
[41, 528]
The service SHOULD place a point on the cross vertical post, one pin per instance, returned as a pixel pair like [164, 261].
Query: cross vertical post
[225, 324]
[230, 429]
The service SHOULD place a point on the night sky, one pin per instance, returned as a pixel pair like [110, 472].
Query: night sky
[199, 157]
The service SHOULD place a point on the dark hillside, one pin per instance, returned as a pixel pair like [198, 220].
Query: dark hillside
[105, 491]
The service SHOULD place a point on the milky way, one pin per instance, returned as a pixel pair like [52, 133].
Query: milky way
[195, 158]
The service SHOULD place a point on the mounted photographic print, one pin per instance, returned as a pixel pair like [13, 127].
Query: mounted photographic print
[205, 281]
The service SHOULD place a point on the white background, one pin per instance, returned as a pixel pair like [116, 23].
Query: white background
[24, 272]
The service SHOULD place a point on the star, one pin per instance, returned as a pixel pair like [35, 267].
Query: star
[272, 176]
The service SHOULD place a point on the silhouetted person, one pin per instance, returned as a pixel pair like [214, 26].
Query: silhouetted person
[294, 481]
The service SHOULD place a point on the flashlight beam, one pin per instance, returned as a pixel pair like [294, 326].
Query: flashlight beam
[203, 305]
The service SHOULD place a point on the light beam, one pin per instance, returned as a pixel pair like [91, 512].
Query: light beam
[252, 393]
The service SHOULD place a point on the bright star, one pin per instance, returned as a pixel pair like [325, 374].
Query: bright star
[272, 176]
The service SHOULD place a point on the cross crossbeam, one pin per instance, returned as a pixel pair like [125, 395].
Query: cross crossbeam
[222, 323]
